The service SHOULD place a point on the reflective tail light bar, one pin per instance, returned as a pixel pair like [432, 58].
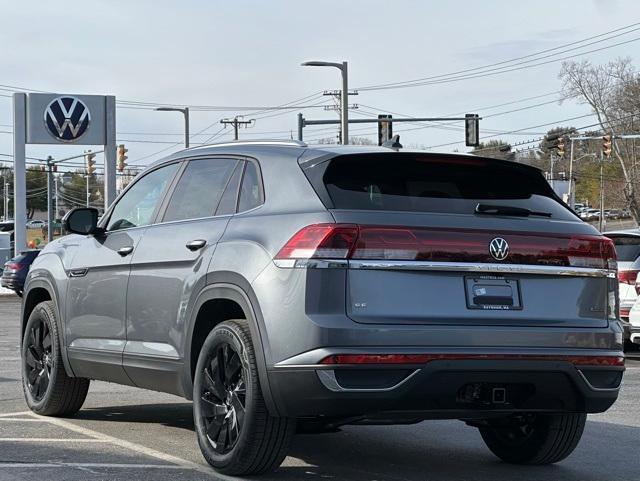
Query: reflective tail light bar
[370, 242]
[339, 359]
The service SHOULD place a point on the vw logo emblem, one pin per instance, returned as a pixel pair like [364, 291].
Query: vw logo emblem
[67, 118]
[499, 248]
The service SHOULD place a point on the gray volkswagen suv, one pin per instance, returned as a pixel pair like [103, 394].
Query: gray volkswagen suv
[279, 285]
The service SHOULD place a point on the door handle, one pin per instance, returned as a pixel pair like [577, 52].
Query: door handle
[125, 251]
[194, 245]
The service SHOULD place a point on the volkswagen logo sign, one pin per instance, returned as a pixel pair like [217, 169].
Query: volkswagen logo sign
[499, 248]
[67, 118]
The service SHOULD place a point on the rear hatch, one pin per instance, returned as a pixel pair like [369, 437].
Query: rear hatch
[449, 239]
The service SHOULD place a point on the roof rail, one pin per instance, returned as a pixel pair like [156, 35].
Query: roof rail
[293, 143]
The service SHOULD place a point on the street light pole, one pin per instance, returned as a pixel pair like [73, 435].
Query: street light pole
[344, 97]
[185, 112]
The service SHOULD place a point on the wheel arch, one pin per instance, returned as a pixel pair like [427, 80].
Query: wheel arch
[226, 292]
[41, 289]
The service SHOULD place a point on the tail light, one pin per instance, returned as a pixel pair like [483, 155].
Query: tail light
[338, 359]
[366, 242]
[628, 276]
[14, 266]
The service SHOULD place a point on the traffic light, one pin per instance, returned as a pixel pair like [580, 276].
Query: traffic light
[472, 130]
[560, 147]
[122, 156]
[90, 159]
[385, 129]
[606, 145]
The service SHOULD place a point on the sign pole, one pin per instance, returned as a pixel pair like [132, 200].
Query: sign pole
[110, 153]
[19, 172]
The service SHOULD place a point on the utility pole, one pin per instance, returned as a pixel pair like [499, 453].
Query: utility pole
[50, 166]
[337, 94]
[601, 223]
[56, 198]
[237, 123]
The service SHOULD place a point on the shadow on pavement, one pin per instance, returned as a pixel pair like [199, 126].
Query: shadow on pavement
[176, 415]
[433, 450]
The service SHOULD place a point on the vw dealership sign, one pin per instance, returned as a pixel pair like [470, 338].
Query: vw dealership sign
[63, 119]
[67, 118]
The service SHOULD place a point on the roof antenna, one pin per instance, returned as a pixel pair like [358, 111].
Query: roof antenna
[393, 143]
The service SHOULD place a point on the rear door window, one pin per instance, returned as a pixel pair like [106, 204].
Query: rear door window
[199, 189]
[436, 183]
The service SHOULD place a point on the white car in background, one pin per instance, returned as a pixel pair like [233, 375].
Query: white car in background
[627, 245]
[634, 323]
[35, 224]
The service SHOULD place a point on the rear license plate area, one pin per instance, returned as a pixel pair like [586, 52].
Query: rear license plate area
[493, 293]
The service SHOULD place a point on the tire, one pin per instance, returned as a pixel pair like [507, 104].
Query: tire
[18, 292]
[235, 438]
[47, 388]
[535, 439]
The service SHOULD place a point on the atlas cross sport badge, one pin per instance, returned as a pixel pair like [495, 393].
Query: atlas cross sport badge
[67, 118]
[499, 248]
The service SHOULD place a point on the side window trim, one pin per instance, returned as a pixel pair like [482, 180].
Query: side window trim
[242, 164]
[104, 221]
[260, 184]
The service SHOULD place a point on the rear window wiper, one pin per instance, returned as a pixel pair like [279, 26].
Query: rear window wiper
[490, 209]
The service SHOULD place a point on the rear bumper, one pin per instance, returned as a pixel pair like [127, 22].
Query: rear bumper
[444, 389]
[12, 282]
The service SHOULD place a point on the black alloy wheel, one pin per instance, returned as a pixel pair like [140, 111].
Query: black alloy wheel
[38, 359]
[223, 398]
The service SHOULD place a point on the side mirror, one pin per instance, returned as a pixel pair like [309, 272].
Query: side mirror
[82, 220]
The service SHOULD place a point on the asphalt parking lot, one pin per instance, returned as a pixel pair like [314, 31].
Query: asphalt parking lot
[130, 434]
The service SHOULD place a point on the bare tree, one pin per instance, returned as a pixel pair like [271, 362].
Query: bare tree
[612, 91]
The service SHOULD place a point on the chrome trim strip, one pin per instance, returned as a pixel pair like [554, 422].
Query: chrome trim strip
[312, 263]
[482, 268]
[487, 268]
[328, 379]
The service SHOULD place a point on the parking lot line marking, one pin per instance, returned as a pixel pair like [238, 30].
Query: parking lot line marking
[135, 447]
[21, 413]
[53, 440]
[22, 420]
[89, 465]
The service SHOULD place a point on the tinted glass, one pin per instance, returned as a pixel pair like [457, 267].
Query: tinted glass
[229, 199]
[251, 190]
[200, 188]
[449, 184]
[627, 248]
[137, 206]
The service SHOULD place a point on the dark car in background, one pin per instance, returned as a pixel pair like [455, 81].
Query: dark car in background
[15, 271]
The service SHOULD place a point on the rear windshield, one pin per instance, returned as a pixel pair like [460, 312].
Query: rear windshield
[436, 183]
[627, 248]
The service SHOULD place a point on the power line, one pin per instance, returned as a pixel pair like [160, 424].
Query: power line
[452, 76]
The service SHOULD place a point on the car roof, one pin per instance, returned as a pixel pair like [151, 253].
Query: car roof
[296, 149]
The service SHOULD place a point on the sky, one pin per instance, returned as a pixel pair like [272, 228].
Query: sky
[239, 53]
